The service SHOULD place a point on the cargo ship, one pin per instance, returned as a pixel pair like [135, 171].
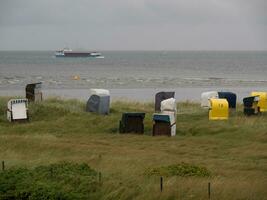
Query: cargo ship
[66, 52]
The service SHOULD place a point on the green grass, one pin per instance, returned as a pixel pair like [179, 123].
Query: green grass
[234, 152]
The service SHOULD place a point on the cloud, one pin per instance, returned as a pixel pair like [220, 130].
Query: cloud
[188, 23]
[17, 12]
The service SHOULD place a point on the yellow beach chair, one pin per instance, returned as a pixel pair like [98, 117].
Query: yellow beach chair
[262, 104]
[219, 109]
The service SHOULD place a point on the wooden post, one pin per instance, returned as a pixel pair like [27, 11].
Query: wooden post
[99, 177]
[3, 165]
[51, 172]
[161, 183]
[209, 189]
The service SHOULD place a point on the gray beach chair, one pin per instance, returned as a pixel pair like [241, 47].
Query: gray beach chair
[99, 102]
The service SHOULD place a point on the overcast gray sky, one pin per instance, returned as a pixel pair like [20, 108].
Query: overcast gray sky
[133, 24]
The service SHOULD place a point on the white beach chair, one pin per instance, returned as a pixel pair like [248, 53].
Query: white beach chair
[17, 110]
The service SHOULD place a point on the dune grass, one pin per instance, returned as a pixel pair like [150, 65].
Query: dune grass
[234, 152]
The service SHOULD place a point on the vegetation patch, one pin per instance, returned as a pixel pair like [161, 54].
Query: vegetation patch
[182, 169]
[64, 181]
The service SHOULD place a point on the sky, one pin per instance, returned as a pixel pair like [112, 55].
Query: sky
[133, 24]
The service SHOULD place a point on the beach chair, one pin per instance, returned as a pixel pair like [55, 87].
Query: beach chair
[230, 97]
[251, 105]
[17, 110]
[165, 122]
[99, 101]
[205, 96]
[219, 109]
[262, 101]
[34, 92]
[132, 123]
[160, 96]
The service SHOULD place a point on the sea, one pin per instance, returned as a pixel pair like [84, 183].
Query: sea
[135, 75]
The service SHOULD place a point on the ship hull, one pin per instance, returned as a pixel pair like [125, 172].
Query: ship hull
[70, 53]
[77, 54]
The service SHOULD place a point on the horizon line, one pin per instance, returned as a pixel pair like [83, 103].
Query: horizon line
[161, 50]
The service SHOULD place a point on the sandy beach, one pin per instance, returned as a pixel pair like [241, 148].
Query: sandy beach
[143, 94]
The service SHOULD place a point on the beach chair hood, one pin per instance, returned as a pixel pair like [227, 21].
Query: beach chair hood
[100, 92]
[168, 105]
[230, 97]
[160, 96]
[205, 96]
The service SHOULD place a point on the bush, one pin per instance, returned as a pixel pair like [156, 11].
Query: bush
[61, 181]
[182, 169]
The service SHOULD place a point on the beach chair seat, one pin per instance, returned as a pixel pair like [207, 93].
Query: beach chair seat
[251, 105]
[132, 123]
[164, 124]
[17, 110]
[262, 101]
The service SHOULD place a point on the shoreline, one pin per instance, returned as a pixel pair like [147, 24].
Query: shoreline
[138, 94]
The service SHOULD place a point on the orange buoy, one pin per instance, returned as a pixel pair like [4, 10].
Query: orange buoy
[76, 77]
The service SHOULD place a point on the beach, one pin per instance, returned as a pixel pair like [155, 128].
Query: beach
[141, 95]
[56, 147]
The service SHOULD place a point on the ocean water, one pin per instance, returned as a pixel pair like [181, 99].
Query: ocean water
[135, 74]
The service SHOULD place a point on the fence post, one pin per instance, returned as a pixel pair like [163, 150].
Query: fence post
[3, 165]
[209, 189]
[161, 183]
[51, 172]
[99, 177]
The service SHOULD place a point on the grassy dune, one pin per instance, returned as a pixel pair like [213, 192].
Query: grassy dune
[233, 151]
